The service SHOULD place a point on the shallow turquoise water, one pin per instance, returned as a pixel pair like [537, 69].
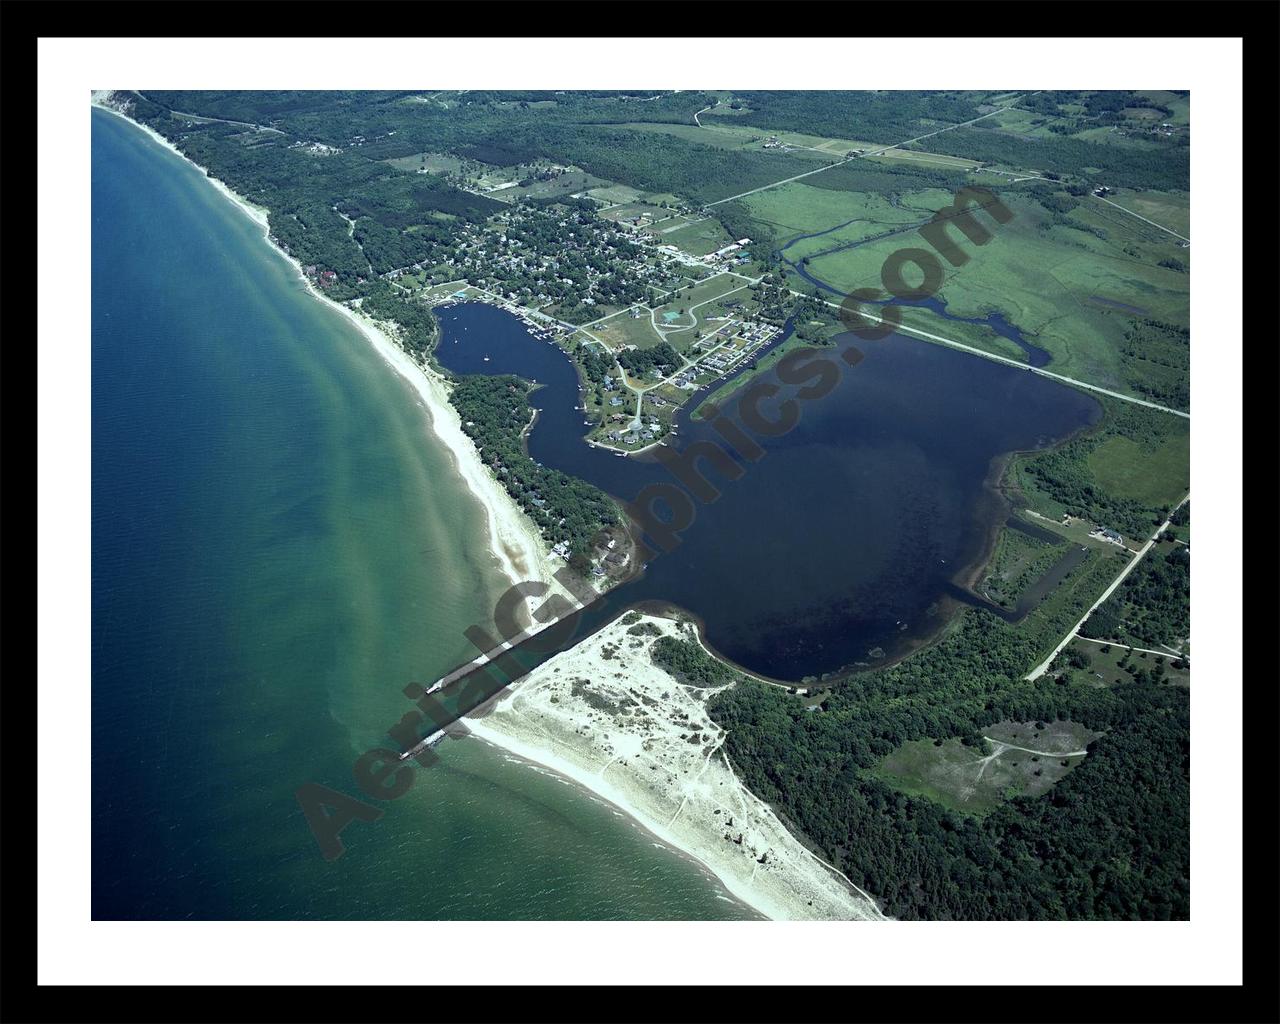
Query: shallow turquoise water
[278, 548]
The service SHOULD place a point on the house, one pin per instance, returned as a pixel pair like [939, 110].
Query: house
[615, 401]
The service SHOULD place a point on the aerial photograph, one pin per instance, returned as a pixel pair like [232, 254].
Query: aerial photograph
[641, 505]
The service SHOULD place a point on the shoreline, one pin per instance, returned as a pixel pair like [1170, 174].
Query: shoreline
[795, 883]
[515, 543]
[562, 718]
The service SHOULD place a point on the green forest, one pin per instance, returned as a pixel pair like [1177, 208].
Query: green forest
[688, 663]
[1152, 606]
[495, 411]
[1108, 841]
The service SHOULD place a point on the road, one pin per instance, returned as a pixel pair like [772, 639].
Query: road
[1121, 643]
[1043, 667]
[859, 156]
[219, 120]
[1012, 362]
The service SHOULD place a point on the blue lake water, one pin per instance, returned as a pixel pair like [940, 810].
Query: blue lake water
[850, 534]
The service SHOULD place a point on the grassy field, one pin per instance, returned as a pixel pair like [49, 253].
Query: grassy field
[623, 330]
[1180, 105]
[699, 238]
[1047, 278]
[616, 194]
[798, 209]
[976, 781]
[437, 163]
[571, 182]
[1168, 209]
[1151, 461]
[976, 335]
[736, 137]
[915, 156]
[695, 296]
[632, 209]
[1159, 476]
[1104, 665]
[1024, 123]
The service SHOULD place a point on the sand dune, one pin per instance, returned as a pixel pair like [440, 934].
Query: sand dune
[604, 715]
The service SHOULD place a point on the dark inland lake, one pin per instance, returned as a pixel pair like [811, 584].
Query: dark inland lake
[850, 540]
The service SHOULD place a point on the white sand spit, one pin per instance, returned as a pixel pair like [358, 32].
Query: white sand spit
[604, 715]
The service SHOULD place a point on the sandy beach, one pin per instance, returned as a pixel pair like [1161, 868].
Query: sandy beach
[605, 716]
